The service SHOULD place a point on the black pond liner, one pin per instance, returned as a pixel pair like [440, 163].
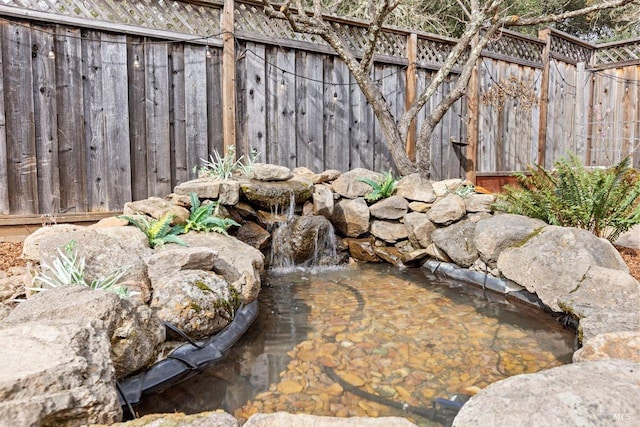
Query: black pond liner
[186, 360]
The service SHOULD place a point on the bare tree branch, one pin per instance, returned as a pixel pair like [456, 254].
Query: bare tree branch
[375, 28]
[464, 9]
[515, 20]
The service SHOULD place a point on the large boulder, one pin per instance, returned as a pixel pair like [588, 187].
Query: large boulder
[226, 191]
[304, 420]
[554, 261]
[349, 184]
[420, 229]
[479, 202]
[31, 245]
[601, 393]
[389, 231]
[272, 195]
[201, 419]
[254, 235]
[316, 178]
[394, 207]
[269, 172]
[198, 302]
[173, 259]
[457, 241]
[499, 232]
[612, 345]
[447, 210]
[416, 188]
[239, 263]
[306, 240]
[323, 200]
[156, 208]
[57, 373]
[607, 321]
[351, 217]
[134, 331]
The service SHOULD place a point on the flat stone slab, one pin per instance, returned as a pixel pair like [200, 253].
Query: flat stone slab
[601, 393]
[304, 420]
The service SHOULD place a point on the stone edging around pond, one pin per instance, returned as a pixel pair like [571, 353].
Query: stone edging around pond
[566, 268]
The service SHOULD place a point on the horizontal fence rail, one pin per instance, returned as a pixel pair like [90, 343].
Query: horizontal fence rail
[104, 101]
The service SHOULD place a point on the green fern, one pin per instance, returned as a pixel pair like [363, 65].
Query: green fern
[159, 232]
[381, 190]
[203, 218]
[603, 201]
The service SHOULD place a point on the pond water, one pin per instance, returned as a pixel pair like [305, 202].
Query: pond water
[365, 340]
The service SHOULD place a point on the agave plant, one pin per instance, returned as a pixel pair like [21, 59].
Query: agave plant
[603, 201]
[382, 189]
[203, 218]
[68, 269]
[159, 232]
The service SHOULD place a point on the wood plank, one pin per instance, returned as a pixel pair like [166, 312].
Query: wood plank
[336, 114]
[544, 96]
[634, 76]
[45, 120]
[214, 103]
[177, 116]
[137, 65]
[436, 138]
[386, 76]
[116, 123]
[242, 143]
[446, 148]
[582, 104]
[195, 95]
[271, 101]
[411, 94]
[70, 66]
[309, 89]
[485, 123]
[4, 183]
[157, 120]
[228, 77]
[22, 175]
[361, 129]
[285, 114]
[255, 120]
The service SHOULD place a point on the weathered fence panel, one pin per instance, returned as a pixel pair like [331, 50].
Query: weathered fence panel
[130, 101]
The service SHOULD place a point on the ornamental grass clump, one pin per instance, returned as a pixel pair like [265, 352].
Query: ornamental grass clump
[604, 201]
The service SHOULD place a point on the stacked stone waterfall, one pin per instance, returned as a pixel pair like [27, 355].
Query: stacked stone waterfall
[570, 270]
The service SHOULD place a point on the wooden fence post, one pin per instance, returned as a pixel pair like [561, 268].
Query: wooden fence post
[410, 98]
[228, 77]
[473, 117]
[544, 95]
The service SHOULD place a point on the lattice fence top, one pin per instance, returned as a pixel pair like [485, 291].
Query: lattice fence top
[166, 15]
[517, 47]
[434, 52]
[618, 52]
[570, 50]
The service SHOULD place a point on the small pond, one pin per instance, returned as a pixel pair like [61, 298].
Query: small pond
[401, 336]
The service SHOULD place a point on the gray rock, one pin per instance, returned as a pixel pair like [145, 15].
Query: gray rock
[448, 186]
[57, 373]
[607, 321]
[349, 185]
[226, 191]
[601, 393]
[269, 172]
[306, 240]
[351, 217]
[362, 249]
[457, 241]
[239, 263]
[416, 189]
[134, 332]
[323, 201]
[499, 232]
[447, 210]
[553, 262]
[254, 235]
[202, 419]
[156, 208]
[112, 221]
[198, 302]
[393, 207]
[316, 178]
[389, 254]
[276, 194]
[437, 253]
[420, 229]
[165, 263]
[613, 345]
[602, 289]
[389, 231]
[304, 420]
[31, 244]
[479, 202]
[421, 207]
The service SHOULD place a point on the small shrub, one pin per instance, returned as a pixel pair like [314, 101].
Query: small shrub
[603, 201]
[158, 231]
[68, 269]
[203, 218]
[381, 190]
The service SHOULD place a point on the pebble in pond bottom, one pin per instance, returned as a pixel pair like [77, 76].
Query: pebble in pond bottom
[387, 333]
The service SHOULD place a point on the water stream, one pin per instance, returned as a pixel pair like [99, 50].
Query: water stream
[398, 336]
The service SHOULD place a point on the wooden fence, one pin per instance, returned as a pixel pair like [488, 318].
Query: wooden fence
[119, 101]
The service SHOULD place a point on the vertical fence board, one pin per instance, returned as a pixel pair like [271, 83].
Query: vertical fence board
[436, 139]
[45, 115]
[271, 96]
[361, 129]
[116, 124]
[195, 95]
[255, 119]
[284, 116]
[70, 73]
[385, 76]
[309, 90]
[157, 119]
[4, 178]
[137, 65]
[177, 116]
[336, 117]
[214, 103]
[22, 175]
